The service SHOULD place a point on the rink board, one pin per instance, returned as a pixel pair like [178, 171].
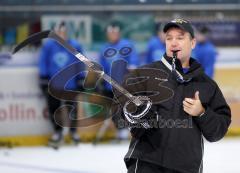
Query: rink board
[29, 125]
[228, 80]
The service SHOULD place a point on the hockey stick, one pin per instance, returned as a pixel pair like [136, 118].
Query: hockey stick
[137, 100]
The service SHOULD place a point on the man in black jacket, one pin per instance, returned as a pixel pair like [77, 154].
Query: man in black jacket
[186, 106]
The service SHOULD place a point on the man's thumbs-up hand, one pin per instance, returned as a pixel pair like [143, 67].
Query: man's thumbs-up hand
[193, 106]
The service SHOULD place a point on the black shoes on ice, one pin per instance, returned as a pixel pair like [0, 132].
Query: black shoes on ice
[57, 139]
[75, 138]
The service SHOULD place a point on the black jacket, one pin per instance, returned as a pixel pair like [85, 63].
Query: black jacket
[177, 141]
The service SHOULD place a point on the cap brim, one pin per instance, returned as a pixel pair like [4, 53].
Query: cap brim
[170, 25]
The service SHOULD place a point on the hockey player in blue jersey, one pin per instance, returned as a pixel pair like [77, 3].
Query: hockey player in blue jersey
[117, 57]
[53, 58]
[156, 46]
[205, 52]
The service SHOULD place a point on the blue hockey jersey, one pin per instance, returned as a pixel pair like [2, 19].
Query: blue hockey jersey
[155, 50]
[205, 54]
[54, 57]
[117, 58]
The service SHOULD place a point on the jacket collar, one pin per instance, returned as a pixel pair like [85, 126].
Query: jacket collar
[194, 70]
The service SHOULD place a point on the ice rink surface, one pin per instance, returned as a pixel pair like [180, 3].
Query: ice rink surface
[219, 157]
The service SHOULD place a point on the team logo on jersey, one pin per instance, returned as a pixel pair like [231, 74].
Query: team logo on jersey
[60, 59]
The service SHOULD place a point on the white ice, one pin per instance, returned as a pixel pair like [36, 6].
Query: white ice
[219, 157]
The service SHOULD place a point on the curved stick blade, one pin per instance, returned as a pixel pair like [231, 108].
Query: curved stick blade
[33, 38]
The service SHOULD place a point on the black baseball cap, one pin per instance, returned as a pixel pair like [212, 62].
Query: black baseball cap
[180, 23]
